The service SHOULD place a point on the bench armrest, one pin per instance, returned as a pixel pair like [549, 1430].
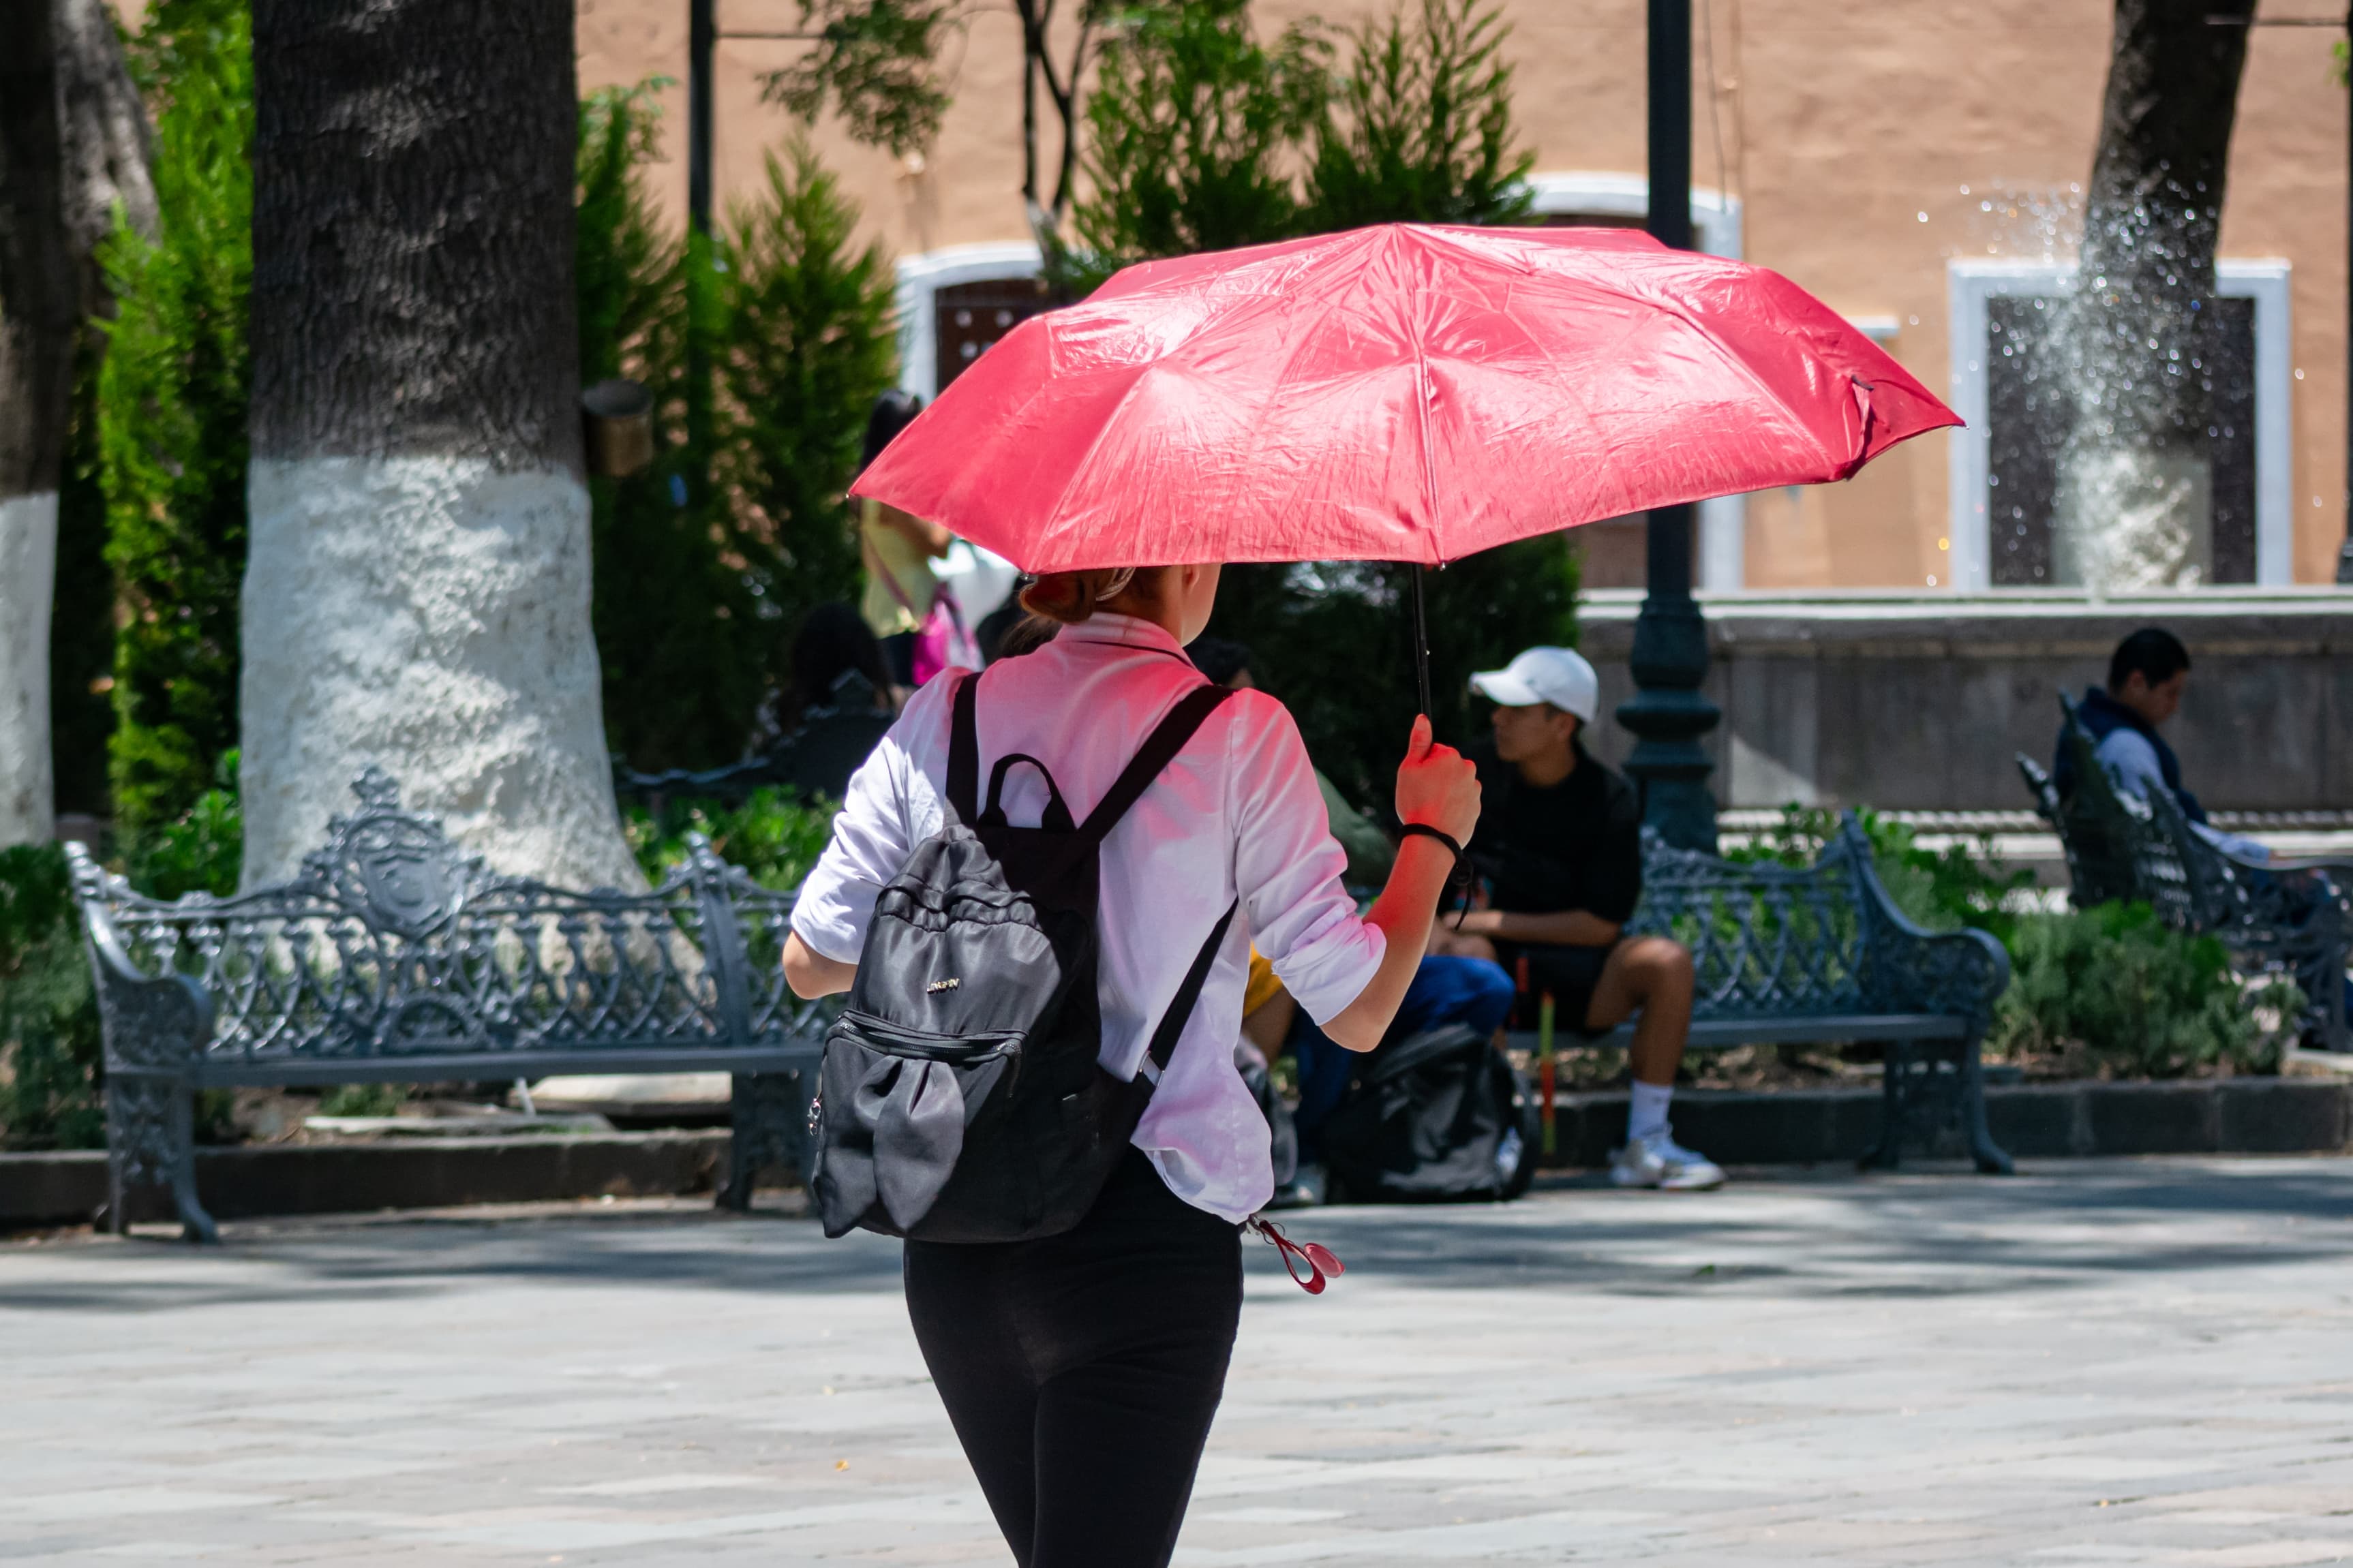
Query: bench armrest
[151, 1022]
[1914, 970]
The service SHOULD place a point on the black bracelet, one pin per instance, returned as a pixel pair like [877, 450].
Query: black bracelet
[1458, 880]
[1427, 831]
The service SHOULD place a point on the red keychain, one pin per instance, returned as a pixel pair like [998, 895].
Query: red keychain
[1322, 1266]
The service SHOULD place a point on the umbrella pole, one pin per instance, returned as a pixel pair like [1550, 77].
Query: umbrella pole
[1421, 640]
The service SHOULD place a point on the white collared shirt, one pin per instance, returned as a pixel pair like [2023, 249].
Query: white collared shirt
[1237, 813]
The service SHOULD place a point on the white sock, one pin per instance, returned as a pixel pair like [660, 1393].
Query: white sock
[1646, 1117]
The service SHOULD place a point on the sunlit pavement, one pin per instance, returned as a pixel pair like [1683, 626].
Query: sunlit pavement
[2119, 1362]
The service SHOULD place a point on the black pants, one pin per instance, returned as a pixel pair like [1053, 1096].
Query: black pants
[1081, 1370]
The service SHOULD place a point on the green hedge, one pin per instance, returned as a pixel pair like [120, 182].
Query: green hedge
[2103, 992]
[2108, 991]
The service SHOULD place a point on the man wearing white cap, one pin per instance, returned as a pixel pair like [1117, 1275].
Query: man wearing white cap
[1559, 840]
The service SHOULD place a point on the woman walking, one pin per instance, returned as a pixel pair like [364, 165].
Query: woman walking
[1082, 1370]
[902, 589]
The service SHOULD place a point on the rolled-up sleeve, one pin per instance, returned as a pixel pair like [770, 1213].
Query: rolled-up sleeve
[1287, 866]
[890, 807]
[868, 846]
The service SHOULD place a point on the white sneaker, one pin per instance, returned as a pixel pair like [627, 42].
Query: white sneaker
[1306, 1190]
[1660, 1161]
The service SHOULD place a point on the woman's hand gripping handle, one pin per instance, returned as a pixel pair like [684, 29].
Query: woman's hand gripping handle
[1437, 789]
[1437, 786]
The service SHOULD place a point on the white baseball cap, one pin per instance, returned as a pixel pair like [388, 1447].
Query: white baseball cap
[1555, 675]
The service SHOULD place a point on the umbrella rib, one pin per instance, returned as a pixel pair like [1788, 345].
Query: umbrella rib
[1095, 443]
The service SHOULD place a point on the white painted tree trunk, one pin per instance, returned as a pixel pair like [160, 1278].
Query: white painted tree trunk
[417, 580]
[431, 615]
[28, 561]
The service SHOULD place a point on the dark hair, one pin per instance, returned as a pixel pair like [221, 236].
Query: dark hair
[1220, 658]
[1071, 597]
[2153, 653]
[990, 635]
[893, 412]
[1026, 634]
[833, 641]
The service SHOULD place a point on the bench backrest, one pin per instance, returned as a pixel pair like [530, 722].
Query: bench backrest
[814, 761]
[392, 941]
[2117, 848]
[1773, 940]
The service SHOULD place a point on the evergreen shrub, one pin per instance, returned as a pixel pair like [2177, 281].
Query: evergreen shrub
[2109, 992]
[706, 563]
[772, 835]
[1421, 125]
[172, 402]
[1200, 136]
[201, 850]
[1333, 640]
[50, 1046]
[1195, 132]
[1943, 889]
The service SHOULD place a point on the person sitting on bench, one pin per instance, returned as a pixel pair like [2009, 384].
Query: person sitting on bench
[1559, 841]
[2146, 677]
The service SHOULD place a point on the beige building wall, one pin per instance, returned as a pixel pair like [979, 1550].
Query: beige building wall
[1864, 144]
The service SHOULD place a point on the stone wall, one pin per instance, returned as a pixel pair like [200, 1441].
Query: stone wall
[1919, 701]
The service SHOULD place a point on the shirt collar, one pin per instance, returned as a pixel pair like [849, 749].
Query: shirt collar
[1131, 631]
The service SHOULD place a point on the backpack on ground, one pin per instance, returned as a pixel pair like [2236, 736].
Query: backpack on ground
[960, 1099]
[1434, 1117]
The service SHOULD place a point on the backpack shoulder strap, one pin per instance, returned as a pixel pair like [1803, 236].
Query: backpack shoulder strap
[964, 750]
[1180, 1006]
[1159, 749]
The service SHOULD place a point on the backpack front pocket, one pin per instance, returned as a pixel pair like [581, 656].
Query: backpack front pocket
[895, 1102]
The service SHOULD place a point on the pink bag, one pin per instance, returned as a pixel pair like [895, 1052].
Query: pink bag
[942, 642]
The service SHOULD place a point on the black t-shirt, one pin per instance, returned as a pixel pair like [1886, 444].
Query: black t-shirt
[1576, 845]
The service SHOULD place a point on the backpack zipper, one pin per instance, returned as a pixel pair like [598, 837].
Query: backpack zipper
[900, 1041]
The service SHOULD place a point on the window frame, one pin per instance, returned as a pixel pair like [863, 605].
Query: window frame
[916, 300]
[1972, 282]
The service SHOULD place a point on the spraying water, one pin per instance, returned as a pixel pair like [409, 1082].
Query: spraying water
[2133, 504]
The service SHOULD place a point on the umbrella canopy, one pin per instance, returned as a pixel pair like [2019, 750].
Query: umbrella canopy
[1404, 393]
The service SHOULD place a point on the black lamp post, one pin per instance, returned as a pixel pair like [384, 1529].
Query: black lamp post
[1668, 714]
[701, 37]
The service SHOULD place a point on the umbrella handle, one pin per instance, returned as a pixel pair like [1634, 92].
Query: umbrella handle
[1421, 640]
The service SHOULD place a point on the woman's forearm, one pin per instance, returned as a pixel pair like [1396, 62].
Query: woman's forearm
[1402, 913]
[811, 973]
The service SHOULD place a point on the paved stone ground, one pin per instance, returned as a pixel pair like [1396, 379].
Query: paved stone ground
[2121, 1361]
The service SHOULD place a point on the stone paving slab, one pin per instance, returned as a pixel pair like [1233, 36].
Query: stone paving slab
[2113, 1361]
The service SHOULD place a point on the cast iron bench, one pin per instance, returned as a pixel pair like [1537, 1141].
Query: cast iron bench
[2292, 918]
[393, 957]
[1821, 955]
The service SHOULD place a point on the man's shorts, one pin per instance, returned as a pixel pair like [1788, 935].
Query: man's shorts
[1569, 974]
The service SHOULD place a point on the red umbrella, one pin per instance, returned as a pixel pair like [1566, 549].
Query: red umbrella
[1402, 392]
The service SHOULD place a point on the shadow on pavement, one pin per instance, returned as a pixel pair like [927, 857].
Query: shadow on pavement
[1831, 1239]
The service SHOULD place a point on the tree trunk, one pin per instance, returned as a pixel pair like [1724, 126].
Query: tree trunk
[2134, 502]
[416, 590]
[108, 147]
[73, 147]
[39, 300]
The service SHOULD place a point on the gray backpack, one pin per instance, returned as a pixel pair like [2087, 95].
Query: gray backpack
[960, 1098]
